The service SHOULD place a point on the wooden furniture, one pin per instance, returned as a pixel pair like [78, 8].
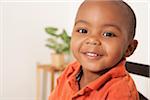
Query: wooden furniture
[45, 69]
[139, 69]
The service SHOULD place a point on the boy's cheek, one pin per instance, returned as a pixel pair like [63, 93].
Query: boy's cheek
[75, 40]
[74, 48]
[114, 50]
[73, 44]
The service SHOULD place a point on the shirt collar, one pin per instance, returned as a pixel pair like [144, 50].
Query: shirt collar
[117, 71]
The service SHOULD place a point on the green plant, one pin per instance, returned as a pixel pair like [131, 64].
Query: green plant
[60, 43]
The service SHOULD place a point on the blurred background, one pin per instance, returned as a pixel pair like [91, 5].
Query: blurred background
[23, 39]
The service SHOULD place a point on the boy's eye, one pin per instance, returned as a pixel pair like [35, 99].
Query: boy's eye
[82, 31]
[108, 34]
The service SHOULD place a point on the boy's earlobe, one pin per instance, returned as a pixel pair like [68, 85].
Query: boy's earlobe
[131, 48]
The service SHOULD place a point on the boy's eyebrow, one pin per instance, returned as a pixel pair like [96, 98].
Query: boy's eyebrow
[81, 21]
[105, 25]
[112, 25]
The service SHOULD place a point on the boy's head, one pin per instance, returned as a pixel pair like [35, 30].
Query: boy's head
[103, 34]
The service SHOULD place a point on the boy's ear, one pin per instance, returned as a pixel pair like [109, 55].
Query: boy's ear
[131, 48]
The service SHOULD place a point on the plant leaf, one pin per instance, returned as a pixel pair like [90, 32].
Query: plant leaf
[52, 31]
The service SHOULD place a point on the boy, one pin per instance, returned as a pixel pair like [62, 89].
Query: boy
[102, 38]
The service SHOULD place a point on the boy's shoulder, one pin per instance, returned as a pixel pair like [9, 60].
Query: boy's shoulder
[70, 71]
[72, 68]
[123, 86]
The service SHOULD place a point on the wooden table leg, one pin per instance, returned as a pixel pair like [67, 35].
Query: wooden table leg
[44, 85]
[52, 80]
[38, 84]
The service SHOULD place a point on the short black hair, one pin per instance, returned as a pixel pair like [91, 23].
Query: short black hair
[133, 22]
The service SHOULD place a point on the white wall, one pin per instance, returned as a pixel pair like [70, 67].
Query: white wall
[141, 54]
[22, 42]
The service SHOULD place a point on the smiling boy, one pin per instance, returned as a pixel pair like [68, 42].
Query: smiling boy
[102, 38]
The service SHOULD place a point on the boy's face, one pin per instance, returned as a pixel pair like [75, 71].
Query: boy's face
[100, 35]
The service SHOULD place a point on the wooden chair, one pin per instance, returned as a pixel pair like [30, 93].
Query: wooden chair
[139, 69]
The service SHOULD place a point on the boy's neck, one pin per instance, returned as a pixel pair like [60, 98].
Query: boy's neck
[89, 76]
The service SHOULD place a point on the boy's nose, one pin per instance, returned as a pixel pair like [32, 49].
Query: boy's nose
[92, 41]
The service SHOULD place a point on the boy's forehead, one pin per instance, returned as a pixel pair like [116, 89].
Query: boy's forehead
[114, 2]
[88, 4]
[92, 9]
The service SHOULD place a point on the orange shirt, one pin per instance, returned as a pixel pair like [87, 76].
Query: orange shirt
[116, 84]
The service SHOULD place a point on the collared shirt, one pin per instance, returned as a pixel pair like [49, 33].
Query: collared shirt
[116, 84]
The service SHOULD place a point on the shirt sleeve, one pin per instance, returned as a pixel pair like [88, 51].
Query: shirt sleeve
[55, 94]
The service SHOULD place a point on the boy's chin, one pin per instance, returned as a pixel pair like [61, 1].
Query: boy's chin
[95, 68]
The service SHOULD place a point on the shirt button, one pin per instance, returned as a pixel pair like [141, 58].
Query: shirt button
[87, 89]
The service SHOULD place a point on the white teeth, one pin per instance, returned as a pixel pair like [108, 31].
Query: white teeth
[92, 54]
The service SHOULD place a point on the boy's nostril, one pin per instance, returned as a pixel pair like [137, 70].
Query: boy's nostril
[95, 43]
[92, 43]
[87, 42]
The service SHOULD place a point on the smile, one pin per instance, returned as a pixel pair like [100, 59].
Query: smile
[92, 55]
